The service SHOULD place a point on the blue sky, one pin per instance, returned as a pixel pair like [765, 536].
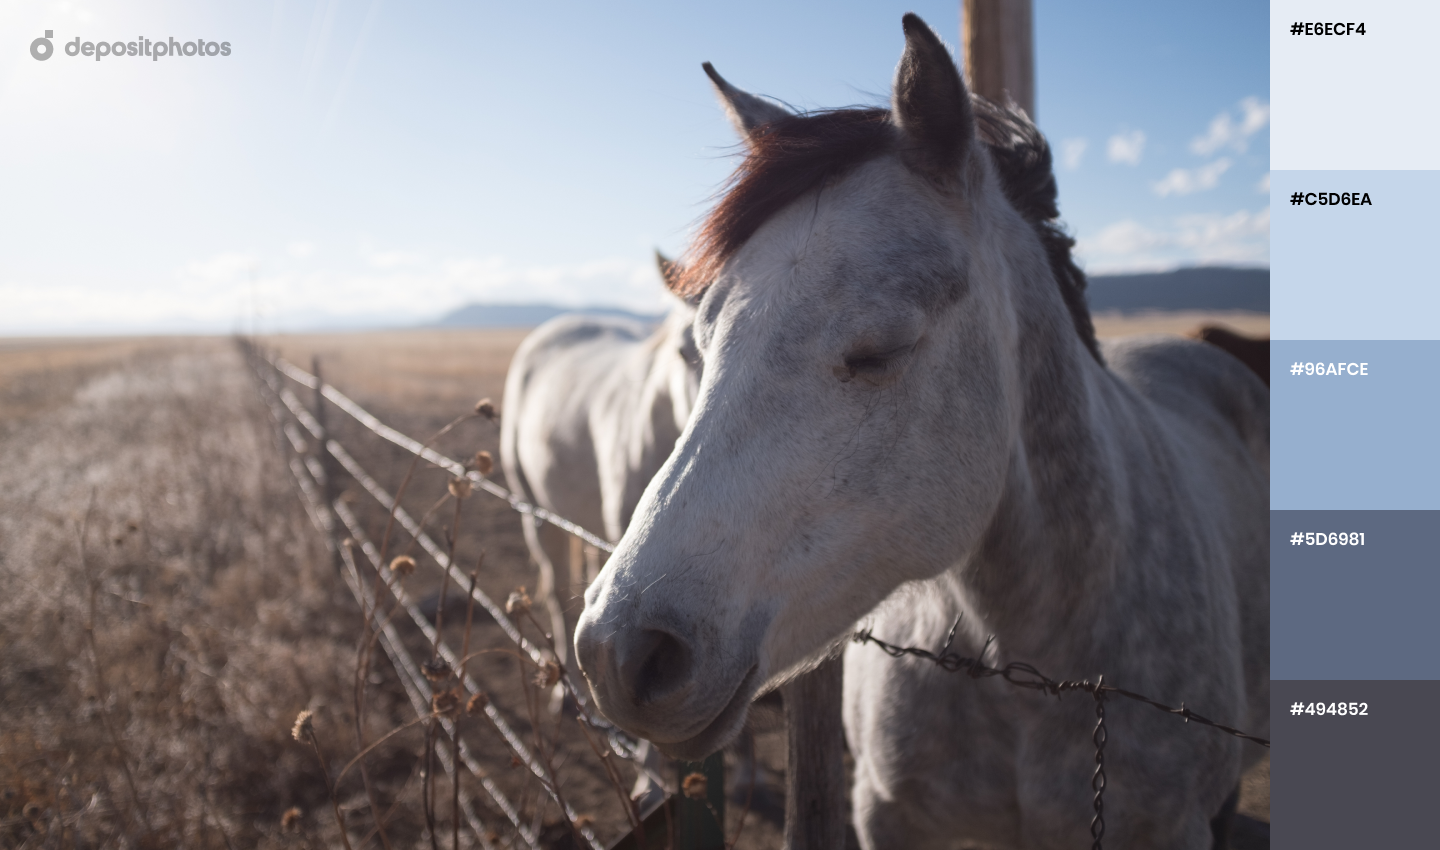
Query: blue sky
[358, 162]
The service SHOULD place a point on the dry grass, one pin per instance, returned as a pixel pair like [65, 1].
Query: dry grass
[165, 615]
[1180, 322]
[170, 610]
[429, 371]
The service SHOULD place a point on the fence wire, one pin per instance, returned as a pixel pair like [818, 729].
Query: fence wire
[310, 475]
[621, 743]
[1023, 675]
[454, 467]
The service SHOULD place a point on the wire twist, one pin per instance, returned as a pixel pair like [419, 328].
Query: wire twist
[1023, 675]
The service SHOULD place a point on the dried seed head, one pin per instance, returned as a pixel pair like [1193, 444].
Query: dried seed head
[548, 674]
[31, 811]
[515, 761]
[348, 543]
[484, 463]
[290, 821]
[486, 408]
[695, 786]
[461, 488]
[518, 602]
[402, 565]
[303, 725]
[476, 704]
[584, 821]
[436, 670]
[446, 703]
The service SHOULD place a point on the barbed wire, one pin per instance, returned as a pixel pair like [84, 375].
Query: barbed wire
[454, 467]
[308, 473]
[623, 744]
[1023, 675]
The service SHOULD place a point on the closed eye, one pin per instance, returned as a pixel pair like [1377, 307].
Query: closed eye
[875, 367]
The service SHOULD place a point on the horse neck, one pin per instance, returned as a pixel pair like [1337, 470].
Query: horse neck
[1053, 546]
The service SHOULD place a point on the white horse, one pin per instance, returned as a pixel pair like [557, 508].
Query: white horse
[904, 415]
[593, 406]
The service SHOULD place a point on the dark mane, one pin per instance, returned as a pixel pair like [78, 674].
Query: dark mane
[786, 159]
[1022, 157]
[789, 157]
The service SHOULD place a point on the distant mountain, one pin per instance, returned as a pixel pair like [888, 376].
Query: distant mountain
[1201, 288]
[522, 315]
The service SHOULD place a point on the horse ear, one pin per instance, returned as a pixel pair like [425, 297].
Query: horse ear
[745, 111]
[930, 103]
[674, 276]
[670, 270]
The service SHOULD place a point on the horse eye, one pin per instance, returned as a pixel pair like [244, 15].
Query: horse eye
[872, 366]
[867, 363]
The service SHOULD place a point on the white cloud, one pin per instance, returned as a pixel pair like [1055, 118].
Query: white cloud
[1263, 187]
[1225, 131]
[1126, 147]
[1239, 238]
[218, 270]
[1183, 181]
[1071, 151]
[392, 259]
[300, 249]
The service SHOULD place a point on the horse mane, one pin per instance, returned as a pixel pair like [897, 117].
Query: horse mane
[1027, 175]
[790, 156]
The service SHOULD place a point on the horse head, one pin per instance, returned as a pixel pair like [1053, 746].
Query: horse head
[862, 294]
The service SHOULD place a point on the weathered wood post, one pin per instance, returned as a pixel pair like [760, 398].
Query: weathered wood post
[700, 823]
[815, 769]
[998, 39]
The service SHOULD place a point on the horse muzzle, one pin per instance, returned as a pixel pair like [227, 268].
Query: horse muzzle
[658, 684]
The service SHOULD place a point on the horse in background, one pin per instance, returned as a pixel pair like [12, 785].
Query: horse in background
[1254, 352]
[593, 406]
[905, 418]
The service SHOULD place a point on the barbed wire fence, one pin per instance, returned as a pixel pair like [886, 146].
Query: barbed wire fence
[1023, 675]
[313, 480]
[310, 450]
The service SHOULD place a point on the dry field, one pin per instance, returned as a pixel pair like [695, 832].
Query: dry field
[1180, 322]
[169, 609]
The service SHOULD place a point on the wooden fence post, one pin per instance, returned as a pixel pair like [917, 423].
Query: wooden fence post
[815, 771]
[998, 38]
[700, 825]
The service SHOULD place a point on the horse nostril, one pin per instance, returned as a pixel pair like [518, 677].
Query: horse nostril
[658, 664]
